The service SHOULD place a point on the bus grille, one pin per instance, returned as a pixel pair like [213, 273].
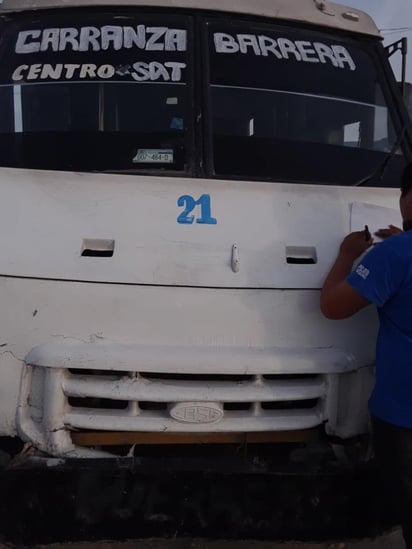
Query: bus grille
[192, 403]
[280, 391]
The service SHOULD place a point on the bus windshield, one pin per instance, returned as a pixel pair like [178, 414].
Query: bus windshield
[95, 92]
[127, 91]
[297, 105]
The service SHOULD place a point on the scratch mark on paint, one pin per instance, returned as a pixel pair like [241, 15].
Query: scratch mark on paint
[13, 355]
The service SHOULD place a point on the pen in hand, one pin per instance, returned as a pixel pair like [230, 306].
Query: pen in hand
[367, 234]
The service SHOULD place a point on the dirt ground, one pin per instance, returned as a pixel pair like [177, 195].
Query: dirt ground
[392, 540]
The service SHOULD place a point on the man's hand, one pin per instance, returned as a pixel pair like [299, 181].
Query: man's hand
[354, 245]
[389, 231]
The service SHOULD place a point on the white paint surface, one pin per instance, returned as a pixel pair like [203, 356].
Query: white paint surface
[148, 307]
[192, 299]
[140, 215]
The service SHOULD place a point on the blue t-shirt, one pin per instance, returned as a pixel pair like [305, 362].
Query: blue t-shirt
[384, 277]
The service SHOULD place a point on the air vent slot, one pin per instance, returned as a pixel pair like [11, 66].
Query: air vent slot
[93, 247]
[301, 255]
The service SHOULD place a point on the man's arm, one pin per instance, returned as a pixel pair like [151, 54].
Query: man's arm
[338, 299]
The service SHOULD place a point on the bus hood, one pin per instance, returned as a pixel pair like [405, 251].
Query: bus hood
[173, 231]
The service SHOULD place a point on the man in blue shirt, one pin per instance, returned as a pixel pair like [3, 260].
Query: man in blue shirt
[384, 278]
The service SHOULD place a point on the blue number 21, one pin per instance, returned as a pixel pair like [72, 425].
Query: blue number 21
[189, 204]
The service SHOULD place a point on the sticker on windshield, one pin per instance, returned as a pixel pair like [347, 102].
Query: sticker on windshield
[284, 49]
[58, 51]
[103, 38]
[154, 156]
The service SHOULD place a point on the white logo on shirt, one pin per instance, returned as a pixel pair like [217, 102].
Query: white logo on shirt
[363, 272]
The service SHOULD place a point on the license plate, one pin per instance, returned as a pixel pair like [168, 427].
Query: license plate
[154, 156]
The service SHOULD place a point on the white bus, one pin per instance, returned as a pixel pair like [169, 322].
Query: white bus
[175, 179]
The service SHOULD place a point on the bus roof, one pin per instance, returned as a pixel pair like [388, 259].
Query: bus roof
[316, 12]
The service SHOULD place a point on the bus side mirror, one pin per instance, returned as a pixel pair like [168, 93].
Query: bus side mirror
[401, 46]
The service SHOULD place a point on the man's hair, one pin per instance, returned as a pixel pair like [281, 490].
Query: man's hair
[406, 184]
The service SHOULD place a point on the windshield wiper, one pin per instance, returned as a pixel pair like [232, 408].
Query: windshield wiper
[381, 169]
